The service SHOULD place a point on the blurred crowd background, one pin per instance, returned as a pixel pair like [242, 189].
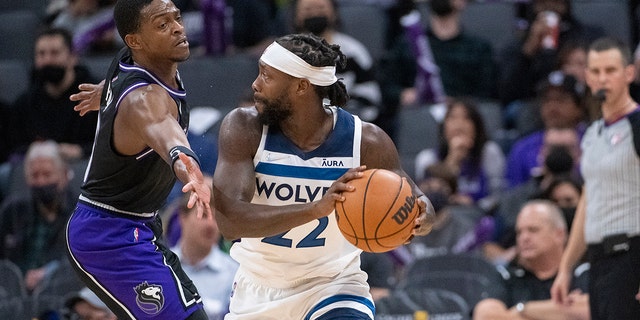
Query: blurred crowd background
[485, 100]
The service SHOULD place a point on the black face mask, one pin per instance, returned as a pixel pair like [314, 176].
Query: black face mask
[568, 214]
[51, 74]
[46, 195]
[441, 7]
[316, 25]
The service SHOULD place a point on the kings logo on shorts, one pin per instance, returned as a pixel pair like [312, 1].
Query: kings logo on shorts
[149, 297]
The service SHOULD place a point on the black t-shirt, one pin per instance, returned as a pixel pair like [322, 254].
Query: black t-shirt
[36, 115]
[523, 286]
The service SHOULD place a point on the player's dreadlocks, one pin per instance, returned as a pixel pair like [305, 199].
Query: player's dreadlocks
[319, 53]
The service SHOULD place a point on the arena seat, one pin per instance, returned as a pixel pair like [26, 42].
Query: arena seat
[13, 293]
[469, 276]
[417, 129]
[37, 6]
[367, 23]
[52, 294]
[218, 82]
[18, 29]
[438, 303]
[14, 80]
[611, 15]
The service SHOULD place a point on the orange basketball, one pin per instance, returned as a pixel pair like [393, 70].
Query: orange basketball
[379, 214]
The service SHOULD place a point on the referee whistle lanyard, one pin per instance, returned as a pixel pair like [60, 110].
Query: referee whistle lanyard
[428, 81]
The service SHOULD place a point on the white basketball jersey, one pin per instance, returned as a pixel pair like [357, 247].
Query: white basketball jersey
[287, 175]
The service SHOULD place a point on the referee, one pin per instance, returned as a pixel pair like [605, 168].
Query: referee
[607, 221]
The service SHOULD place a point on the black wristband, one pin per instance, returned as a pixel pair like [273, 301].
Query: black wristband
[175, 151]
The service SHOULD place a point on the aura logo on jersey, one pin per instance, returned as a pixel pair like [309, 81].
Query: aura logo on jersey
[149, 297]
[403, 213]
[286, 192]
[332, 163]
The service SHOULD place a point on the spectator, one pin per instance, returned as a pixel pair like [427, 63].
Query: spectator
[91, 24]
[467, 151]
[44, 111]
[219, 27]
[572, 60]
[459, 227]
[465, 62]
[320, 17]
[541, 238]
[559, 161]
[210, 269]
[560, 107]
[565, 192]
[32, 224]
[531, 58]
[255, 25]
[85, 305]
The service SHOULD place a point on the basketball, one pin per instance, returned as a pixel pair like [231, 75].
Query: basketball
[379, 214]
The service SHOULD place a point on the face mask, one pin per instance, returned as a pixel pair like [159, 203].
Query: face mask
[559, 159]
[51, 74]
[316, 25]
[568, 214]
[441, 7]
[46, 195]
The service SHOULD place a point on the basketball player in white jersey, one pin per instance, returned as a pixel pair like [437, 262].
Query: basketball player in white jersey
[282, 166]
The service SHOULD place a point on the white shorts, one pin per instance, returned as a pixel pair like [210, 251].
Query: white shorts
[306, 299]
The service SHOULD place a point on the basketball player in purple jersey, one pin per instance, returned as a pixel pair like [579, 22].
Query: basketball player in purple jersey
[140, 149]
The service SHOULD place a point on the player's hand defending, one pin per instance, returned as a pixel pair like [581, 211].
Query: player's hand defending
[200, 190]
[88, 98]
[327, 204]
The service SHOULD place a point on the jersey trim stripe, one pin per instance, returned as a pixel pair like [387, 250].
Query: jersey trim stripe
[126, 67]
[300, 172]
[341, 298]
[111, 208]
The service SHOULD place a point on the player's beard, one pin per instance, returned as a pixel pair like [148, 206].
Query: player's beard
[275, 111]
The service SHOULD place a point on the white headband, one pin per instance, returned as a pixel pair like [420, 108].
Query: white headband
[286, 61]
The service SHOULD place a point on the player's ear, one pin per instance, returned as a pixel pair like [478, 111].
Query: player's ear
[303, 86]
[630, 72]
[132, 40]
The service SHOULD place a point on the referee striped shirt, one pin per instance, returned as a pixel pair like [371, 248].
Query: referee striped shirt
[610, 166]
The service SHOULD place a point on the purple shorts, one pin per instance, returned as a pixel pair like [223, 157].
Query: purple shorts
[122, 260]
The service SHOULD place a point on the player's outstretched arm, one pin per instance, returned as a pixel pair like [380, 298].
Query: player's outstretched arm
[88, 98]
[147, 117]
[379, 151]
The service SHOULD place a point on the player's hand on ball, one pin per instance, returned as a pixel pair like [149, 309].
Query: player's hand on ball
[426, 218]
[328, 202]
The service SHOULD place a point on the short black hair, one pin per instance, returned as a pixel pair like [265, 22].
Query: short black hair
[67, 38]
[607, 43]
[126, 14]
